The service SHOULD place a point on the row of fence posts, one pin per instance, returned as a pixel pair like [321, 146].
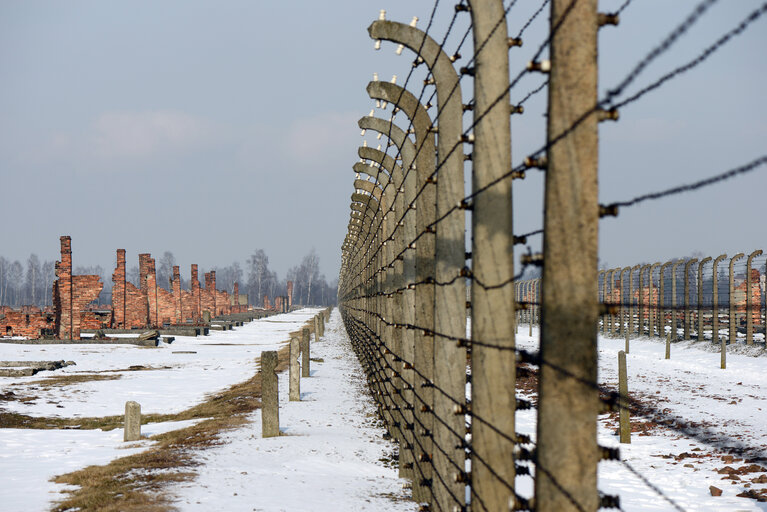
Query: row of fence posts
[404, 271]
[646, 310]
[270, 413]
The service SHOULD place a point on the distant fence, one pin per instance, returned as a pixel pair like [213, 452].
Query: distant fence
[705, 298]
[405, 267]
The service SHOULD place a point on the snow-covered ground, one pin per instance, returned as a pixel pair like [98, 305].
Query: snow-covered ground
[169, 382]
[331, 455]
[692, 386]
[172, 382]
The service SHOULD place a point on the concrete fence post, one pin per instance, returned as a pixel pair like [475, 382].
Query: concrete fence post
[614, 315]
[674, 311]
[733, 314]
[750, 300]
[601, 293]
[715, 334]
[653, 305]
[624, 301]
[662, 299]
[567, 450]
[423, 342]
[305, 352]
[701, 333]
[631, 297]
[270, 412]
[641, 299]
[668, 346]
[687, 308]
[132, 427]
[723, 352]
[492, 262]
[295, 370]
[623, 391]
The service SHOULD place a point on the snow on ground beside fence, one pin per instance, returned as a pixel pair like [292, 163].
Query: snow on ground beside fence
[30, 457]
[171, 382]
[331, 455]
[690, 385]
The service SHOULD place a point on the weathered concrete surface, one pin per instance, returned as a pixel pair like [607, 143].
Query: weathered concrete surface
[270, 412]
[295, 370]
[305, 352]
[132, 429]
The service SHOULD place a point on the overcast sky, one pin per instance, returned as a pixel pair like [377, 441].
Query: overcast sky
[211, 129]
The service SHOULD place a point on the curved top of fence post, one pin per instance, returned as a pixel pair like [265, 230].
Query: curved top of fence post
[412, 108]
[736, 257]
[663, 268]
[445, 77]
[752, 256]
[624, 270]
[718, 259]
[395, 133]
[688, 264]
[703, 262]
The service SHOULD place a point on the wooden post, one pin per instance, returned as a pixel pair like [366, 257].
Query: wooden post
[493, 369]
[270, 412]
[723, 348]
[668, 346]
[623, 391]
[295, 370]
[305, 352]
[567, 452]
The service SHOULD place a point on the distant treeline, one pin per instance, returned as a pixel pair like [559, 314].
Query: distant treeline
[30, 283]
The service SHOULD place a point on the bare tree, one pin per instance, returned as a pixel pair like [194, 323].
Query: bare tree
[33, 276]
[310, 266]
[16, 276]
[258, 270]
[165, 270]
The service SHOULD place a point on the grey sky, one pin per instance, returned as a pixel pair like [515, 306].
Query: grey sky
[211, 129]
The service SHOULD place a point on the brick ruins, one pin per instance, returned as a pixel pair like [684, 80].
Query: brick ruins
[148, 306]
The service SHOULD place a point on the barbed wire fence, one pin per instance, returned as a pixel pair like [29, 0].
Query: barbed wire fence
[407, 280]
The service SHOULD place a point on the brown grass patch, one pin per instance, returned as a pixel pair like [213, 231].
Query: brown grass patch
[69, 379]
[135, 483]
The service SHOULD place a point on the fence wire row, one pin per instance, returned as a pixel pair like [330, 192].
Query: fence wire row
[445, 386]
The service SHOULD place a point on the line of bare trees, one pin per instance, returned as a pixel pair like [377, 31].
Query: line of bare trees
[30, 283]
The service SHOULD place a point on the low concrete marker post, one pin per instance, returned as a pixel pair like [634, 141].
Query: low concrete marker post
[628, 333]
[132, 429]
[305, 352]
[295, 370]
[723, 363]
[668, 346]
[206, 317]
[623, 391]
[270, 407]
